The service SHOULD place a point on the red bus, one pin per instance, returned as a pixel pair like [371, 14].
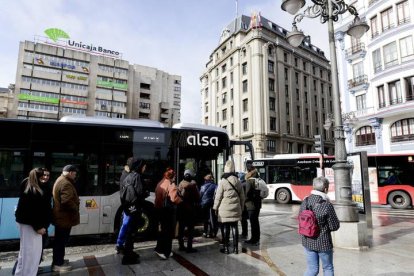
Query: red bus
[289, 177]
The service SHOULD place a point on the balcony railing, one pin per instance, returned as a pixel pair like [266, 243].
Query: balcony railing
[355, 49]
[371, 2]
[360, 80]
[404, 20]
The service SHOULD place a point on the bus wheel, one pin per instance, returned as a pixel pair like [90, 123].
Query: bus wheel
[283, 196]
[399, 200]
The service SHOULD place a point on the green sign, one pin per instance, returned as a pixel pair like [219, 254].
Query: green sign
[110, 84]
[54, 34]
[28, 97]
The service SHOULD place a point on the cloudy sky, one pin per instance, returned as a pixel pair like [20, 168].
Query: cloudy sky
[175, 36]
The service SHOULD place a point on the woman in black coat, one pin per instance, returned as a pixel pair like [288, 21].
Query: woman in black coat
[33, 215]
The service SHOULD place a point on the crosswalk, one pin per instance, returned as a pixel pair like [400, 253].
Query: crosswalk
[399, 213]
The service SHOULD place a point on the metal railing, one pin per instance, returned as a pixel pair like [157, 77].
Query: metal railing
[363, 79]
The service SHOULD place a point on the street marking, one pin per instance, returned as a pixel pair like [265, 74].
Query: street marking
[265, 258]
[189, 265]
[94, 268]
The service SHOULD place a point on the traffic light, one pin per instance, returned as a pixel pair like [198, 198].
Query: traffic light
[318, 143]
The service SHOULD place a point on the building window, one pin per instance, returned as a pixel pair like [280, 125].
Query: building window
[287, 109]
[365, 136]
[358, 69]
[361, 102]
[217, 72]
[305, 81]
[272, 123]
[218, 118]
[316, 118]
[206, 107]
[231, 61]
[409, 84]
[271, 145]
[271, 84]
[246, 124]
[285, 57]
[300, 148]
[245, 105]
[376, 60]
[406, 47]
[307, 114]
[374, 29]
[390, 54]
[244, 68]
[231, 111]
[224, 114]
[224, 98]
[296, 77]
[270, 51]
[298, 111]
[232, 129]
[290, 147]
[296, 61]
[395, 94]
[304, 66]
[299, 130]
[223, 82]
[306, 97]
[231, 78]
[403, 12]
[402, 130]
[206, 93]
[381, 96]
[231, 94]
[270, 66]
[272, 103]
[288, 127]
[386, 19]
[286, 74]
[244, 86]
[223, 68]
[297, 94]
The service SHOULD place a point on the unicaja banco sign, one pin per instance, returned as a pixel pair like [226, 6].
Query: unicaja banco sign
[55, 34]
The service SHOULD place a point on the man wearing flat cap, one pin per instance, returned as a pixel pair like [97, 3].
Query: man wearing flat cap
[65, 214]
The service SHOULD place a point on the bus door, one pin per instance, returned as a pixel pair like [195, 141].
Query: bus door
[86, 184]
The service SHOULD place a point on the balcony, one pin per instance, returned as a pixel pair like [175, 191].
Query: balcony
[358, 83]
[371, 2]
[356, 51]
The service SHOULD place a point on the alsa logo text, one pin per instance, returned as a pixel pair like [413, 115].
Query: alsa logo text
[197, 140]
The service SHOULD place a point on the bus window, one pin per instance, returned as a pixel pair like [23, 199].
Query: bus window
[305, 175]
[11, 172]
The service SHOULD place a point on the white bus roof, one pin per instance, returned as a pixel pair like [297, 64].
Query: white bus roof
[110, 121]
[199, 127]
[296, 155]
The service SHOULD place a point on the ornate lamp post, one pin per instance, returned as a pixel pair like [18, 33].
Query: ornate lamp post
[328, 11]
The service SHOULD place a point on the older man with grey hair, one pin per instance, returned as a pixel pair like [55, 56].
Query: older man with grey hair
[320, 247]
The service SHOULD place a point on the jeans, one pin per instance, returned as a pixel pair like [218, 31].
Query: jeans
[123, 231]
[61, 238]
[312, 259]
[254, 224]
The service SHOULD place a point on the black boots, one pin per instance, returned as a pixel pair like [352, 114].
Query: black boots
[225, 250]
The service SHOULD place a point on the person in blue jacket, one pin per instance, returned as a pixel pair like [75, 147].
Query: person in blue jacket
[207, 191]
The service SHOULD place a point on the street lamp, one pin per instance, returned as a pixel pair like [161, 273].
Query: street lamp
[328, 11]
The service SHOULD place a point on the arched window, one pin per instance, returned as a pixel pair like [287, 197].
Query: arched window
[365, 136]
[402, 130]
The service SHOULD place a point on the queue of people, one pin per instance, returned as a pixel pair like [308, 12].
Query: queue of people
[221, 206]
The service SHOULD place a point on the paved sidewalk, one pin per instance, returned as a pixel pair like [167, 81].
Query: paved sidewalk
[280, 253]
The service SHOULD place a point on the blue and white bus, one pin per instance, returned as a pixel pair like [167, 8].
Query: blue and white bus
[99, 147]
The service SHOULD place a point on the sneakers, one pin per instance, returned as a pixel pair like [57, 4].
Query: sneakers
[161, 255]
[61, 268]
[130, 260]
[171, 254]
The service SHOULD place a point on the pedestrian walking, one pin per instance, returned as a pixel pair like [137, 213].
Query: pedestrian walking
[320, 247]
[33, 215]
[132, 194]
[207, 192]
[166, 201]
[187, 210]
[120, 241]
[65, 215]
[228, 203]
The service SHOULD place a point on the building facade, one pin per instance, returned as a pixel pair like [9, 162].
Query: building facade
[377, 77]
[6, 96]
[53, 81]
[260, 88]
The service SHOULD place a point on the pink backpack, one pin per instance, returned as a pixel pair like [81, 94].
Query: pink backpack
[308, 224]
